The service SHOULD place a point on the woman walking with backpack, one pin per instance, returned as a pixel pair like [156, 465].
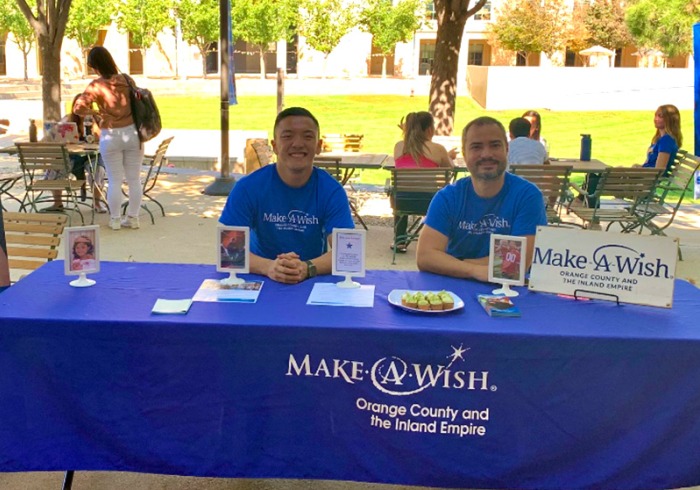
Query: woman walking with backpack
[120, 146]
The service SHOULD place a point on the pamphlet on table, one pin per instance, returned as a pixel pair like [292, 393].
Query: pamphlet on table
[212, 290]
[329, 294]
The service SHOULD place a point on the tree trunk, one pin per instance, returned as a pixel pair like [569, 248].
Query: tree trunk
[383, 66]
[452, 15]
[26, 73]
[261, 52]
[203, 52]
[51, 78]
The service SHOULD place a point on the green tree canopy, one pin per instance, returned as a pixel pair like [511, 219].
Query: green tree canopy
[145, 19]
[390, 24]
[325, 22]
[532, 26]
[199, 22]
[12, 20]
[262, 22]
[605, 23]
[666, 25]
[85, 19]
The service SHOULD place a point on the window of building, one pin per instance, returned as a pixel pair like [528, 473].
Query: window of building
[211, 62]
[430, 13]
[476, 54]
[427, 56]
[135, 57]
[484, 13]
[570, 59]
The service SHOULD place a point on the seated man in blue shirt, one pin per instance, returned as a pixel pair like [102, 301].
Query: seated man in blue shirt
[455, 240]
[291, 207]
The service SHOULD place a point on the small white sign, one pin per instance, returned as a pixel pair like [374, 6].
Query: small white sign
[348, 251]
[233, 252]
[628, 268]
[82, 253]
[507, 262]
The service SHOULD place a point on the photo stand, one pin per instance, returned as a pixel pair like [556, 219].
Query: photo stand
[82, 281]
[505, 290]
[348, 283]
[82, 254]
[232, 280]
[233, 253]
[348, 255]
[507, 263]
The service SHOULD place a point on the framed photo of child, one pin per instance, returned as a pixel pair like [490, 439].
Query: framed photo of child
[82, 250]
[507, 260]
[233, 245]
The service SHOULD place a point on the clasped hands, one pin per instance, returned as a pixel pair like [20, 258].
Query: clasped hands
[288, 268]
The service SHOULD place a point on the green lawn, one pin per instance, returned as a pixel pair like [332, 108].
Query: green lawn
[619, 137]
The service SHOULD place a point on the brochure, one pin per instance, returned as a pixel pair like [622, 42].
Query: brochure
[213, 291]
[498, 305]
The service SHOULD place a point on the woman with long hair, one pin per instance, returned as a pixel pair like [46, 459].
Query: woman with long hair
[120, 146]
[417, 150]
[667, 139]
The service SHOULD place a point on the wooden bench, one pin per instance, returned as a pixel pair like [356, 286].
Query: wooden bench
[342, 142]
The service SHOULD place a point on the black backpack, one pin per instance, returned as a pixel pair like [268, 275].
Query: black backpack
[144, 111]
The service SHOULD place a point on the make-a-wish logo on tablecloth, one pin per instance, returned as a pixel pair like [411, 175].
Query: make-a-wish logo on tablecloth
[393, 375]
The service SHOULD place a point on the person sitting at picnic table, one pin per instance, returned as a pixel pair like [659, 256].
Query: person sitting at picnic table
[4, 122]
[417, 150]
[291, 206]
[455, 240]
[536, 128]
[522, 149]
[667, 138]
[78, 165]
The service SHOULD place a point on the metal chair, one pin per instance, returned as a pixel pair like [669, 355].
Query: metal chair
[331, 164]
[553, 182]
[410, 193]
[152, 165]
[631, 189]
[35, 160]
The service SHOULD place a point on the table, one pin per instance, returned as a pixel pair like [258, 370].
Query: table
[580, 166]
[575, 394]
[351, 161]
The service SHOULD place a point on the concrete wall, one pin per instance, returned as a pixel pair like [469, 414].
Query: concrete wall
[559, 88]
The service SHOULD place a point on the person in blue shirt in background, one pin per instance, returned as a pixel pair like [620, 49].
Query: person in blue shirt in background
[456, 237]
[667, 139]
[291, 207]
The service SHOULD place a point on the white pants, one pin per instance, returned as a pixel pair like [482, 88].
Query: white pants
[122, 153]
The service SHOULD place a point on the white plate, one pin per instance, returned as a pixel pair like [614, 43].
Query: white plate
[395, 299]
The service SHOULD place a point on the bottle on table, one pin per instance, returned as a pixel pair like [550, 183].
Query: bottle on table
[32, 131]
[586, 144]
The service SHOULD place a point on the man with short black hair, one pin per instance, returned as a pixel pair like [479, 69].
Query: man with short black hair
[455, 239]
[522, 149]
[291, 207]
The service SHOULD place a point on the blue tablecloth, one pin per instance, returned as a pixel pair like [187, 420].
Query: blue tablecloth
[571, 395]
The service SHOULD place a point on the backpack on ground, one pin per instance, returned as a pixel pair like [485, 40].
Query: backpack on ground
[144, 111]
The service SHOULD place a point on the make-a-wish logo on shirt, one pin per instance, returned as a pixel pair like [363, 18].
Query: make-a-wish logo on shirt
[294, 220]
[489, 223]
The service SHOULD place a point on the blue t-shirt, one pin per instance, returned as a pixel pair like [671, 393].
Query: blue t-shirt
[468, 220]
[665, 144]
[287, 219]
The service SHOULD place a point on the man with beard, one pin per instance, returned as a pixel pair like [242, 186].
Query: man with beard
[456, 237]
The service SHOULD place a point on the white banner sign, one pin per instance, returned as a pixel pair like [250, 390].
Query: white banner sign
[633, 268]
